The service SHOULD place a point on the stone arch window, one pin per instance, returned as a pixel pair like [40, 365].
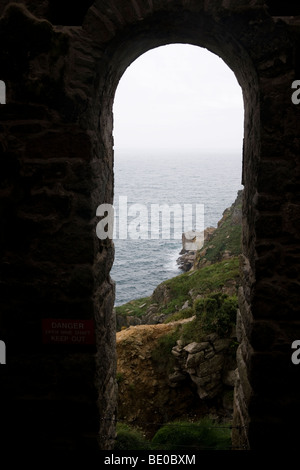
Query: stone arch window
[2, 92]
[148, 85]
[262, 50]
[122, 54]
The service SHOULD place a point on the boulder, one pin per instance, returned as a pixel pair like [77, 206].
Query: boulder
[192, 240]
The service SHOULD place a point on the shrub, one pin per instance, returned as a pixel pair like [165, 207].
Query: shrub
[199, 307]
[216, 313]
[129, 439]
[184, 436]
[202, 281]
[192, 332]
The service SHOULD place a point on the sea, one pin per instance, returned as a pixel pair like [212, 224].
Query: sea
[198, 185]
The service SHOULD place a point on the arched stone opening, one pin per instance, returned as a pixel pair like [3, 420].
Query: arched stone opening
[201, 32]
[57, 155]
[231, 37]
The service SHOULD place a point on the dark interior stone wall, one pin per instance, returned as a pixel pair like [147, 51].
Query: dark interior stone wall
[56, 167]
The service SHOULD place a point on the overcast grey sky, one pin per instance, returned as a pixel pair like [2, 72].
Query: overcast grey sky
[178, 97]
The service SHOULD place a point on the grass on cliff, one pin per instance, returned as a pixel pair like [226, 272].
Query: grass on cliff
[177, 436]
[205, 278]
[129, 438]
[137, 307]
[201, 282]
[214, 313]
[227, 237]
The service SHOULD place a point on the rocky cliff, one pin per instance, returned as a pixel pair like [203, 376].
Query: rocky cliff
[221, 244]
[224, 242]
[191, 382]
[177, 358]
[146, 396]
[188, 253]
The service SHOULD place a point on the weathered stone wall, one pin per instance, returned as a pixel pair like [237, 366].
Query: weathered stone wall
[56, 156]
[53, 175]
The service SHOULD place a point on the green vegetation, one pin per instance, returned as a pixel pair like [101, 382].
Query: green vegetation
[206, 296]
[181, 315]
[177, 436]
[212, 273]
[201, 282]
[217, 313]
[161, 355]
[227, 237]
[129, 438]
[214, 313]
[137, 307]
[184, 436]
[119, 377]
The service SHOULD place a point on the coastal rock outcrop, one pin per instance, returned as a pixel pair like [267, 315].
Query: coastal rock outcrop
[192, 242]
[209, 364]
[187, 381]
[225, 241]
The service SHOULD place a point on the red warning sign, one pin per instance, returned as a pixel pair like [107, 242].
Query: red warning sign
[67, 331]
